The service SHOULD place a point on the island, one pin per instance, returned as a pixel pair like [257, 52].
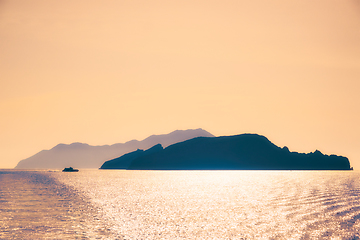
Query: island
[238, 152]
[84, 155]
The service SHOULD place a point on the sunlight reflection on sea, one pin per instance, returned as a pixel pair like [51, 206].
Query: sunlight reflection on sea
[110, 204]
[224, 204]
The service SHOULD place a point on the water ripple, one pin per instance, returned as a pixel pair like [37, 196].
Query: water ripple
[182, 205]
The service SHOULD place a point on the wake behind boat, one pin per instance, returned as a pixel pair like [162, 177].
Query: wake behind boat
[70, 169]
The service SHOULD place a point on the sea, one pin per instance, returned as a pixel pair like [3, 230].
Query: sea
[122, 204]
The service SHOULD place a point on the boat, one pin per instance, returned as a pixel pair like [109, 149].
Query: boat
[70, 169]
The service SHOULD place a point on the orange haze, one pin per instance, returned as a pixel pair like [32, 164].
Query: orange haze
[103, 72]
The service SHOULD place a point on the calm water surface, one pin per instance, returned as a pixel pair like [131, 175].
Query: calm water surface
[119, 204]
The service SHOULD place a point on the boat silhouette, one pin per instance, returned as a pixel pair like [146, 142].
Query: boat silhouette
[70, 169]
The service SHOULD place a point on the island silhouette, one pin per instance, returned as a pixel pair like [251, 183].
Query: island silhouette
[82, 155]
[238, 152]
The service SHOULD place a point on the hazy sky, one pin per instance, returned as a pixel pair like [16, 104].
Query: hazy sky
[104, 72]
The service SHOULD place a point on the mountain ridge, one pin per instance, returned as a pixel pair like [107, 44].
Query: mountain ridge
[83, 155]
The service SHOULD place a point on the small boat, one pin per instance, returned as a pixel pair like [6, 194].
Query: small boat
[70, 169]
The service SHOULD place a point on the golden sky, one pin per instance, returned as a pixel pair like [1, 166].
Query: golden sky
[103, 72]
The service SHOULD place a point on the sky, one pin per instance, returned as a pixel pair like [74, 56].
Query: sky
[105, 72]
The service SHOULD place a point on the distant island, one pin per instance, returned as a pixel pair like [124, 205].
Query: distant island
[82, 155]
[239, 152]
